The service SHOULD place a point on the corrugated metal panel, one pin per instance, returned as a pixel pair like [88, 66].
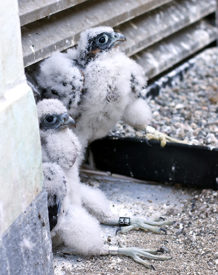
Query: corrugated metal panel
[50, 25]
[144, 31]
[60, 30]
[172, 50]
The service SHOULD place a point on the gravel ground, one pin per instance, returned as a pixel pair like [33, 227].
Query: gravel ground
[191, 241]
[189, 109]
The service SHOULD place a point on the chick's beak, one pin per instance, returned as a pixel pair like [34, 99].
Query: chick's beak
[71, 122]
[119, 36]
[68, 121]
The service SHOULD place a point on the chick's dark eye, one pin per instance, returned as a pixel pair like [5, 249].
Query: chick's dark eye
[50, 119]
[103, 39]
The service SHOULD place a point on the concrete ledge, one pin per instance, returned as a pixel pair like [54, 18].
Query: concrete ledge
[25, 248]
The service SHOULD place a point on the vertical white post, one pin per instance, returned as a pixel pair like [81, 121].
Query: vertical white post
[20, 153]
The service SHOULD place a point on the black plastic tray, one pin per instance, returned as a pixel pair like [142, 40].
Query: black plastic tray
[190, 165]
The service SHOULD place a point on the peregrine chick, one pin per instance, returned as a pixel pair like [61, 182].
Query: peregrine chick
[60, 78]
[109, 85]
[114, 84]
[82, 208]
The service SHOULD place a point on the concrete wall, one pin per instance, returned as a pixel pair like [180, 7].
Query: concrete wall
[25, 247]
[20, 154]
[22, 202]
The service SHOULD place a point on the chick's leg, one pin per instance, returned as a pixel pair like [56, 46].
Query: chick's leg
[151, 133]
[127, 224]
[138, 115]
[98, 205]
[140, 255]
[81, 234]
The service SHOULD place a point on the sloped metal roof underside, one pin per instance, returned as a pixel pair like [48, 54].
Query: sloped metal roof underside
[159, 34]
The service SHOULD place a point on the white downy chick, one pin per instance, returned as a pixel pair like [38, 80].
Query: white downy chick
[114, 85]
[75, 228]
[97, 83]
[60, 78]
[82, 207]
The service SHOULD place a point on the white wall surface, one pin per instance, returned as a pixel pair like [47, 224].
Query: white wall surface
[20, 153]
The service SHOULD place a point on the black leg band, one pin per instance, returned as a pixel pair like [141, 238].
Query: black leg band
[124, 221]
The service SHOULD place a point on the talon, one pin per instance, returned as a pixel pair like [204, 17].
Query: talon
[118, 231]
[164, 230]
[138, 255]
[152, 267]
[161, 250]
[165, 249]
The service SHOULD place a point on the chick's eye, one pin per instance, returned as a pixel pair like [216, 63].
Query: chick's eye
[51, 119]
[103, 39]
